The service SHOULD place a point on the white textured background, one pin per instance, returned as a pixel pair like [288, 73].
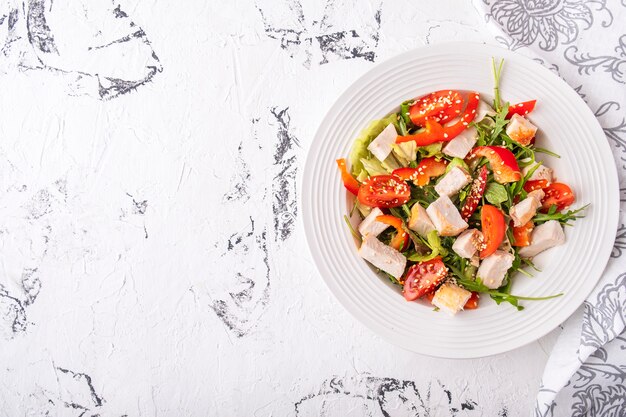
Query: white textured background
[151, 260]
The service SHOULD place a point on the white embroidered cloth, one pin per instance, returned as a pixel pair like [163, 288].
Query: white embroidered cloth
[585, 43]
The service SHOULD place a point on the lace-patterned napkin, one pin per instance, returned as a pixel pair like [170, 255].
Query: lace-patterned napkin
[584, 41]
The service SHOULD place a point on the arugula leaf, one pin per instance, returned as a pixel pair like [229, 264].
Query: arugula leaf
[496, 194]
[497, 73]
[354, 233]
[434, 243]
[500, 122]
[407, 210]
[393, 279]
[547, 152]
[501, 293]
[563, 218]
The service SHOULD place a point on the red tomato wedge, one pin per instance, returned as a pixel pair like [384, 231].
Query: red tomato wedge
[475, 194]
[502, 162]
[558, 194]
[401, 240]
[349, 181]
[439, 106]
[521, 234]
[384, 191]
[493, 228]
[472, 303]
[435, 132]
[422, 278]
[427, 168]
[535, 185]
[521, 108]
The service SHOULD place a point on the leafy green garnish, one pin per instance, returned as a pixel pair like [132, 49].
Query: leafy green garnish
[393, 279]
[547, 152]
[496, 194]
[354, 232]
[499, 294]
[406, 210]
[500, 122]
[434, 243]
[497, 73]
[563, 218]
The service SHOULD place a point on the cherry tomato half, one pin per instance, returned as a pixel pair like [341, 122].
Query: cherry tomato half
[440, 106]
[384, 191]
[423, 278]
[559, 194]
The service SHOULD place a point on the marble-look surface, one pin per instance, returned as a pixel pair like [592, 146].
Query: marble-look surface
[151, 257]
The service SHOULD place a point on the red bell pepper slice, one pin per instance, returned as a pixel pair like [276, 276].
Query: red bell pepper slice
[434, 132]
[450, 132]
[502, 162]
[349, 181]
[401, 240]
[428, 168]
[476, 193]
[522, 108]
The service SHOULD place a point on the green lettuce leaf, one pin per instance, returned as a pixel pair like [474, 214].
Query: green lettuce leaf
[430, 150]
[405, 152]
[457, 162]
[367, 135]
[373, 166]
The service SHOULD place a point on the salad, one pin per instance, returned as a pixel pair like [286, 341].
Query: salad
[452, 199]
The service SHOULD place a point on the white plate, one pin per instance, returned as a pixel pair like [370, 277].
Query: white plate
[567, 127]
